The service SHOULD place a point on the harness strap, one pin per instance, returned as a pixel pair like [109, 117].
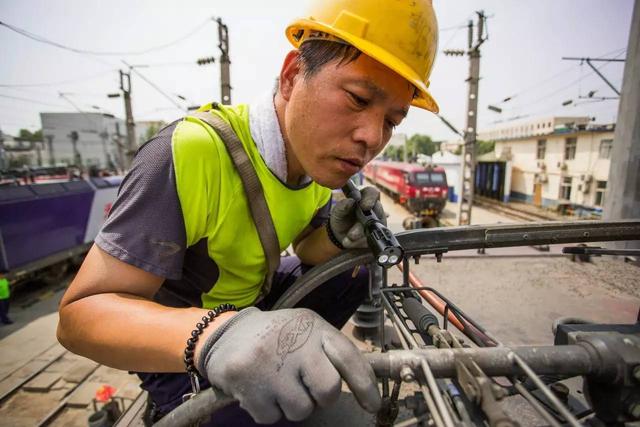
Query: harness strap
[254, 192]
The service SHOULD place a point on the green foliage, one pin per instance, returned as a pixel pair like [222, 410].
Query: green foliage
[421, 144]
[483, 147]
[153, 130]
[30, 136]
[417, 144]
[394, 153]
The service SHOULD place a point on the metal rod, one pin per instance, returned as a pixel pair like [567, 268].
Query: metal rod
[411, 421]
[427, 241]
[613, 88]
[436, 393]
[534, 402]
[433, 409]
[544, 389]
[567, 360]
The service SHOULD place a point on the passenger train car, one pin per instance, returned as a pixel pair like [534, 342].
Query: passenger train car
[48, 223]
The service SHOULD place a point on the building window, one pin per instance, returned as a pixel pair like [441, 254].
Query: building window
[601, 189]
[565, 188]
[570, 148]
[542, 149]
[605, 148]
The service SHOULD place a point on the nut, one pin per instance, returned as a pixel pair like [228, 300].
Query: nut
[407, 374]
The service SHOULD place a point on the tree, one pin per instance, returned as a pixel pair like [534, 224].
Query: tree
[421, 144]
[153, 129]
[395, 153]
[27, 135]
[482, 147]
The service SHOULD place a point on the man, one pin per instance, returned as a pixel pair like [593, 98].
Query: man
[180, 238]
[5, 294]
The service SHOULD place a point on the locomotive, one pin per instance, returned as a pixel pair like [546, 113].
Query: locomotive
[422, 190]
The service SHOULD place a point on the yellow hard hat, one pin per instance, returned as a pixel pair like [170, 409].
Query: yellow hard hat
[401, 34]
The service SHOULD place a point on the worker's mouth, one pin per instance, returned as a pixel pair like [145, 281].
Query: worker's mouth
[350, 165]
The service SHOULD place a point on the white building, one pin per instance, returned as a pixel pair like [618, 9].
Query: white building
[557, 161]
[452, 166]
[535, 127]
[91, 139]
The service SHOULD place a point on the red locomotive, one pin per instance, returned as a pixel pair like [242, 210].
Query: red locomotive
[422, 190]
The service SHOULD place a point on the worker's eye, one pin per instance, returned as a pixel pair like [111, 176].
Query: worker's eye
[358, 100]
[390, 124]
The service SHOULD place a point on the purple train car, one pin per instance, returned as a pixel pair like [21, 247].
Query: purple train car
[45, 225]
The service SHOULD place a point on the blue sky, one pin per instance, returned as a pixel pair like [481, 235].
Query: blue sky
[521, 58]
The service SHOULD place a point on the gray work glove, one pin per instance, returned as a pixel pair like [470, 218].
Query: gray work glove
[343, 223]
[285, 362]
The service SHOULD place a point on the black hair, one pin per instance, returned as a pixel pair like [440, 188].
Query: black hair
[315, 54]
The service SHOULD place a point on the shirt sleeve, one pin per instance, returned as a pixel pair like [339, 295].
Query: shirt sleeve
[322, 215]
[145, 227]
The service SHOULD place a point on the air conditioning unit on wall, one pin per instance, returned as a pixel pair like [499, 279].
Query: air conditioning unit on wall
[562, 166]
[585, 183]
[587, 179]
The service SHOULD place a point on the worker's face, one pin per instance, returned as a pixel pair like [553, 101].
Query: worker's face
[341, 117]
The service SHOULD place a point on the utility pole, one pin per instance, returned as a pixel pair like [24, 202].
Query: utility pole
[118, 140]
[623, 187]
[52, 157]
[125, 87]
[77, 158]
[104, 136]
[469, 147]
[131, 131]
[225, 61]
[2, 161]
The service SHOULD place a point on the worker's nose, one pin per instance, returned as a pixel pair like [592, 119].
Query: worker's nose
[370, 132]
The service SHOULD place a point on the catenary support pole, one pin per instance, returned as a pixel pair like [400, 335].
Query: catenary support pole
[622, 199]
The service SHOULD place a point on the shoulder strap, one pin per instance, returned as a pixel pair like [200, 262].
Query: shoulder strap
[254, 192]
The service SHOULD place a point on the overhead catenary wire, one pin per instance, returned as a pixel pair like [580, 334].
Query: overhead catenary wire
[44, 40]
[156, 87]
[546, 80]
[34, 101]
[556, 92]
[60, 83]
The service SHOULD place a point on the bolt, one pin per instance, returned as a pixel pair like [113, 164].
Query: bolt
[498, 391]
[634, 410]
[636, 372]
[561, 391]
[407, 374]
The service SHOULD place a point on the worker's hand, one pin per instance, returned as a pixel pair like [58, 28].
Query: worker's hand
[343, 223]
[285, 362]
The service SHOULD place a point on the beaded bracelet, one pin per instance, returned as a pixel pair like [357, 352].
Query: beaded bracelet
[191, 345]
[332, 237]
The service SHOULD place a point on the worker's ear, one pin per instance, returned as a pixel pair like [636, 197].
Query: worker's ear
[289, 74]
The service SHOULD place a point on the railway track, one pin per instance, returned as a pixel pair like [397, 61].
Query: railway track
[505, 209]
[43, 384]
[59, 388]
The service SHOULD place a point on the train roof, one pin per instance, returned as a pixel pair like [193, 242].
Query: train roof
[407, 167]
